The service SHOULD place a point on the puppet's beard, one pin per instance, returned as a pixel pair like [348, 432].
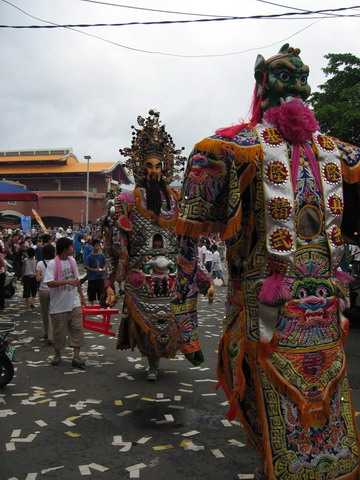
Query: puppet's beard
[294, 120]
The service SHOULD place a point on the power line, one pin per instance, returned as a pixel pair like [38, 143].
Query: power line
[164, 53]
[152, 9]
[53, 25]
[284, 6]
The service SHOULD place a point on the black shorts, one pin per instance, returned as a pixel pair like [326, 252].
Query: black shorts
[95, 287]
[30, 286]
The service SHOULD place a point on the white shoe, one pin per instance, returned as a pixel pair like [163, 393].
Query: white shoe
[152, 375]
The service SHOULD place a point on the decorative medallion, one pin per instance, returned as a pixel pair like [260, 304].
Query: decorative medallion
[332, 173]
[281, 240]
[272, 137]
[280, 208]
[276, 172]
[335, 237]
[325, 143]
[335, 204]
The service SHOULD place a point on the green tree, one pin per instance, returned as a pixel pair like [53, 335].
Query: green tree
[337, 104]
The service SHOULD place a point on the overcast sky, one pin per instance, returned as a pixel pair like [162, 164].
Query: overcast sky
[66, 88]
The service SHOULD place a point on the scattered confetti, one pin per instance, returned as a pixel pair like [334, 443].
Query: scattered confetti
[143, 440]
[217, 453]
[138, 466]
[189, 434]
[226, 423]
[41, 423]
[99, 468]
[73, 434]
[125, 412]
[236, 443]
[46, 470]
[163, 447]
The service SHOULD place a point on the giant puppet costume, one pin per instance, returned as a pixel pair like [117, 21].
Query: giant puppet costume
[277, 190]
[142, 245]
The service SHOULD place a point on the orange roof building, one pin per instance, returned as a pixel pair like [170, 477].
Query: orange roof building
[61, 180]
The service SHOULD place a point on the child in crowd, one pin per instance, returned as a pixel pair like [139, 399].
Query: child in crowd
[48, 253]
[28, 278]
[216, 265]
[208, 256]
[94, 265]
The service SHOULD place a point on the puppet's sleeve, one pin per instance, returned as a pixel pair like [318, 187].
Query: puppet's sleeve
[117, 232]
[350, 164]
[210, 202]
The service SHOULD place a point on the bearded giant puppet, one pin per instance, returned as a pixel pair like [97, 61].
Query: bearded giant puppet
[278, 191]
[142, 247]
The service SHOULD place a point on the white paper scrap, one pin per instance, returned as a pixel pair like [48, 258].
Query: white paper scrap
[236, 443]
[191, 446]
[117, 440]
[84, 470]
[189, 434]
[41, 423]
[126, 447]
[169, 418]
[27, 439]
[31, 476]
[16, 433]
[134, 359]
[46, 470]
[143, 440]
[125, 375]
[206, 380]
[98, 467]
[245, 476]
[61, 390]
[10, 447]
[125, 412]
[138, 466]
[5, 413]
[217, 453]
[69, 423]
[226, 423]
[134, 474]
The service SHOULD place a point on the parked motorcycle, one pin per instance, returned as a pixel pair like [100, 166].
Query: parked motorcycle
[6, 354]
[10, 281]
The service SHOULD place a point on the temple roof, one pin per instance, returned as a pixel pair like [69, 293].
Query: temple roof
[57, 161]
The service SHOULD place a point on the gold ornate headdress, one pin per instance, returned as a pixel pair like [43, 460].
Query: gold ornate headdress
[152, 140]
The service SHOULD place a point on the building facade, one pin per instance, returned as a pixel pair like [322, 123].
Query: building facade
[61, 180]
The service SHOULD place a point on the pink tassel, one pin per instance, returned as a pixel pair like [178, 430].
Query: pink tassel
[295, 162]
[344, 277]
[274, 290]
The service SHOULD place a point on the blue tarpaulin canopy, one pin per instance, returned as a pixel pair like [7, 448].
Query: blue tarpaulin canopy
[13, 191]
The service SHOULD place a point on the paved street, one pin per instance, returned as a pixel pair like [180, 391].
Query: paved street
[107, 422]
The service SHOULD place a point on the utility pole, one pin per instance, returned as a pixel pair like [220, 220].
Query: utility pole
[88, 158]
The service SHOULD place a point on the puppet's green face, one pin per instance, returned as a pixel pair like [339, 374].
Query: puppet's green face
[287, 76]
